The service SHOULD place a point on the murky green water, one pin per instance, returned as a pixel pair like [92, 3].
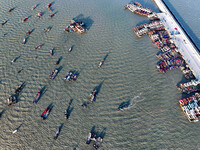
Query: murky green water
[155, 121]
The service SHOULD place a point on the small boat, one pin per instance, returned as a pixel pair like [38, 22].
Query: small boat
[93, 95]
[97, 142]
[51, 52]
[123, 106]
[49, 5]
[19, 89]
[57, 134]
[45, 113]
[66, 113]
[39, 15]
[37, 97]
[91, 137]
[12, 100]
[88, 138]
[34, 7]
[10, 10]
[53, 74]
[29, 32]
[101, 63]
[14, 131]
[47, 29]
[14, 60]
[84, 105]
[25, 19]
[52, 15]
[4, 22]
[24, 41]
[38, 47]
[71, 76]
[70, 49]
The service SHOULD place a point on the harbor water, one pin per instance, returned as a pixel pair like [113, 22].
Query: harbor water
[154, 119]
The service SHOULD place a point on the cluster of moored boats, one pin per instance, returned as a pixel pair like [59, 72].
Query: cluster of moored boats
[189, 87]
[170, 58]
[191, 107]
[93, 137]
[139, 9]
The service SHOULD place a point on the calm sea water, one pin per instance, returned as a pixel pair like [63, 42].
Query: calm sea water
[155, 120]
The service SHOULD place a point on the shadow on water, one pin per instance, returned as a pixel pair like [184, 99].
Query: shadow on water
[69, 109]
[60, 68]
[143, 22]
[59, 60]
[42, 91]
[98, 88]
[2, 112]
[87, 20]
[101, 134]
[106, 56]
[61, 126]
[183, 24]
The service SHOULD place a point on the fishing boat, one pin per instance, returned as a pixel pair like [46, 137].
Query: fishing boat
[45, 113]
[70, 49]
[19, 89]
[25, 19]
[52, 15]
[4, 22]
[39, 15]
[189, 87]
[10, 10]
[93, 95]
[91, 137]
[57, 134]
[97, 143]
[14, 60]
[53, 74]
[71, 76]
[34, 7]
[37, 97]
[123, 106]
[51, 52]
[101, 63]
[24, 41]
[12, 100]
[66, 113]
[49, 5]
[29, 32]
[47, 29]
[38, 47]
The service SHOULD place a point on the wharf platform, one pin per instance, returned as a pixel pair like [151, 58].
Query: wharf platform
[185, 46]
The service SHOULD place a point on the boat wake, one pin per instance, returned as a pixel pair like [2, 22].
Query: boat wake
[135, 100]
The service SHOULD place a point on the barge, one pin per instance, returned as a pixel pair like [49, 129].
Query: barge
[76, 26]
[189, 87]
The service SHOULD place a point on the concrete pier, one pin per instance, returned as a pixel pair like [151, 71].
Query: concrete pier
[189, 52]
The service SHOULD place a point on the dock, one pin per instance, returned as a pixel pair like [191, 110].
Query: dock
[186, 47]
